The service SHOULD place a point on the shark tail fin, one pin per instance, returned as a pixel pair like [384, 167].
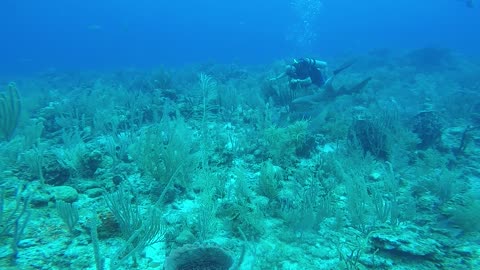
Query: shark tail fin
[359, 86]
[355, 88]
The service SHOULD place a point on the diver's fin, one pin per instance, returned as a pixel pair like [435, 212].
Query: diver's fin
[343, 67]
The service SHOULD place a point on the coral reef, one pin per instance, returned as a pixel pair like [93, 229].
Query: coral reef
[214, 167]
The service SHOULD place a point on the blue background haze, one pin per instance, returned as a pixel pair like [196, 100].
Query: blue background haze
[60, 34]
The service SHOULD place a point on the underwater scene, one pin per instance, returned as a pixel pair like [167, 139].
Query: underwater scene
[215, 135]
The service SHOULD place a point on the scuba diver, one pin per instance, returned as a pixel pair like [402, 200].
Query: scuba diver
[306, 72]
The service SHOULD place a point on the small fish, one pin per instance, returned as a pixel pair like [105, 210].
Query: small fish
[25, 60]
[468, 3]
[94, 27]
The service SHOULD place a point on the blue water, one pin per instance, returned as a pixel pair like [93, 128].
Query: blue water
[272, 165]
[60, 34]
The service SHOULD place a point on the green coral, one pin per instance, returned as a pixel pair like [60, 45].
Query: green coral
[269, 180]
[9, 111]
[165, 151]
[284, 142]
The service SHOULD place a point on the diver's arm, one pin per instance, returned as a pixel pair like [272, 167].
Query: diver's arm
[302, 82]
[283, 75]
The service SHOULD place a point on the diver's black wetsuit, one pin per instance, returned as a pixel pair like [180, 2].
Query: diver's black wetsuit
[305, 68]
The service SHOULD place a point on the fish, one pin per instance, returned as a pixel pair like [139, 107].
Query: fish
[94, 27]
[330, 93]
[353, 89]
[468, 3]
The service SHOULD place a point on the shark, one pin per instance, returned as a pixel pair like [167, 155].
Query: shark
[329, 93]
[309, 106]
